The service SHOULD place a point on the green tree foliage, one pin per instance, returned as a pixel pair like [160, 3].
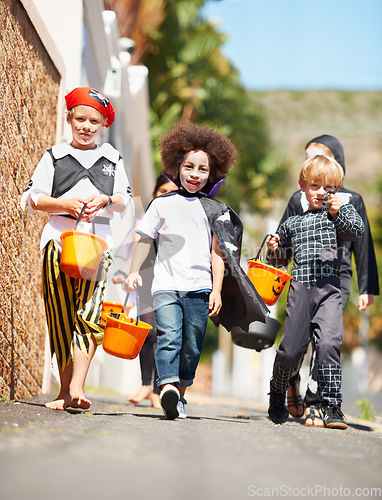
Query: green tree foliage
[375, 311]
[190, 79]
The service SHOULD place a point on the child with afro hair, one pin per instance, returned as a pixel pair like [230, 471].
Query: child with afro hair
[185, 138]
[191, 255]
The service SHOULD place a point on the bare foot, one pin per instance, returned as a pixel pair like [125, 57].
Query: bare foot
[78, 400]
[82, 403]
[155, 402]
[60, 403]
[144, 392]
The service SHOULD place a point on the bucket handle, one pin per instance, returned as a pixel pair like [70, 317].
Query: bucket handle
[79, 217]
[261, 247]
[137, 304]
[117, 315]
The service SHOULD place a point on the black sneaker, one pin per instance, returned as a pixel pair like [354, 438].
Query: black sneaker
[277, 410]
[333, 417]
[169, 399]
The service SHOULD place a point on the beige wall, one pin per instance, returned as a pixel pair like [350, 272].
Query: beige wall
[29, 95]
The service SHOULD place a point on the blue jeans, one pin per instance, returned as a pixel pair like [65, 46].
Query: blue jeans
[181, 322]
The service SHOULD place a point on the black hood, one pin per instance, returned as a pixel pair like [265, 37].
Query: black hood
[334, 145]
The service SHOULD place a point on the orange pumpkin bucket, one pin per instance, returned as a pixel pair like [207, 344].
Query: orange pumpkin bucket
[124, 337]
[269, 281]
[81, 253]
[113, 307]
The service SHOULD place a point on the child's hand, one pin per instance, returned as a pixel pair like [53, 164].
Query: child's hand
[131, 282]
[95, 203]
[215, 303]
[73, 206]
[119, 277]
[273, 241]
[334, 204]
[364, 301]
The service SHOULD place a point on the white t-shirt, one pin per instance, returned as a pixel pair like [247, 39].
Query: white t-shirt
[42, 181]
[183, 261]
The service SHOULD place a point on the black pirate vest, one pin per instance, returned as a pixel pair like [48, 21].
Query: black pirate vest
[68, 171]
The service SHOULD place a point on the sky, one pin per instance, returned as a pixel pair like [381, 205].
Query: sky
[302, 44]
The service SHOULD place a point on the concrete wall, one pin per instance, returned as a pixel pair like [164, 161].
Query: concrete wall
[29, 95]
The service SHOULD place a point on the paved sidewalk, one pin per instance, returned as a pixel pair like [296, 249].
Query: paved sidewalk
[225, 450]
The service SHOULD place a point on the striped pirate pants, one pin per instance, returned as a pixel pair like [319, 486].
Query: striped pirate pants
[72, 306]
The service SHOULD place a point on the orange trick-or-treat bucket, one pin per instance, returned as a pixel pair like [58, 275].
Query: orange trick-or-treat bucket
[123, 337]
[113, 307]
[268, 280]
[81, 254]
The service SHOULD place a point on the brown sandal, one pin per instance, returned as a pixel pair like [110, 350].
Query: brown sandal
[314, 414]
[295, 401]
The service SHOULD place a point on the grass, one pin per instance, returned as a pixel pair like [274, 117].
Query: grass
[366, 409]
[4, 399]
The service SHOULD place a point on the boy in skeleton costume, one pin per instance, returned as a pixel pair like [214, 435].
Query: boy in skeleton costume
[363, 252]
[314, 239]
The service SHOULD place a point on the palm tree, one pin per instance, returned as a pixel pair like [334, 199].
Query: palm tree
[190, 79]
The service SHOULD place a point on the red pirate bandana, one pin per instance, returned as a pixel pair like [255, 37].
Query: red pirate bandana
[87, 96]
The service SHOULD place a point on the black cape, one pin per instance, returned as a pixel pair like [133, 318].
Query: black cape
[241, 303]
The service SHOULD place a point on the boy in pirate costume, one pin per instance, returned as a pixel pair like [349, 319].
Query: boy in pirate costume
[314, 239]
[68, 177]
[196, 272]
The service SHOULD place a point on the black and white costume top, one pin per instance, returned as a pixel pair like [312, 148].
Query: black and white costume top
[315, 239]
[362, 248]
[67, 172]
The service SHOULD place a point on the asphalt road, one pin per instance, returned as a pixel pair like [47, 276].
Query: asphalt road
[224, 450]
